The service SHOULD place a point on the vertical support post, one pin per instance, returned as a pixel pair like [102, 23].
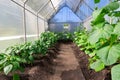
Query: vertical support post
[24, 22]
[44, 26]
[37, 26]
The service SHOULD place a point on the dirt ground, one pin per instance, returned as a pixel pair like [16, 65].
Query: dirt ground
[64, 62]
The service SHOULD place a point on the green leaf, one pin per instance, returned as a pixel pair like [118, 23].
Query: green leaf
[115, 72]
[96, 13]
[113, 38]
[8, 68]
[21, 69]
[94, 36]
[109, 54]
[16, 77]
[3, 61]
[104, 32]
[96, 1]
[98, 17]
[97, 66]
[16, 65]
[99, 25]
[117, 29]
[31, 58]
[112, 6]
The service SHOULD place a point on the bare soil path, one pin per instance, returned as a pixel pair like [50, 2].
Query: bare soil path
[66, 65]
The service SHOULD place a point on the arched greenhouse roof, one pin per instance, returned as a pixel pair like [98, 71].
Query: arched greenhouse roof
[48, 8]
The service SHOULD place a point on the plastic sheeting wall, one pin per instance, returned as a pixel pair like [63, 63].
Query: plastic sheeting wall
[11, 24]
[59, 27]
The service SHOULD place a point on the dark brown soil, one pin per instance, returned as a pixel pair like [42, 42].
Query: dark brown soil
[64, 61]
[87, 72]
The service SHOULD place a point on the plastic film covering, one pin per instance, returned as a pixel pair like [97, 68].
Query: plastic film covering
[46, 10]
[73, 4]
[31, 25]
[58, 3]
[21, 2]
[64, 16]
[59, 26]
[41, 26]
[36, 4]
[10, 24]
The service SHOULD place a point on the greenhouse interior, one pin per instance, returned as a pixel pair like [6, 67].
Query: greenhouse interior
[59, 40]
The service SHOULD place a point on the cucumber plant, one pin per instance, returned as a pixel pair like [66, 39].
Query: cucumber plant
[65, 35]
[103, 41]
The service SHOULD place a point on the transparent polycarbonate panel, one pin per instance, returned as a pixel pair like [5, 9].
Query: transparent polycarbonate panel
[59, 27]
[36, 4]
[31, 23]
[46, 26]
[81, 15]
[31, 39]
[21, 2]
[41, 26]
[73, 4]
[65, 15]
[60, 5]
[87, 23]
[90, 3]
[46, 10]
[57, 2]
[11, 19]
[69, 5]
[48, 16]
[7, 43]
[103, 3]
[85, 10]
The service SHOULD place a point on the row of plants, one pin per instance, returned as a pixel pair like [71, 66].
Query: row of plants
[65, 35]
[16, 55]
[102, 43]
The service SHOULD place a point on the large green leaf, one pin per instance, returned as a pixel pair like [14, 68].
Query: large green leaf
[96, 13]
[112, 6]
[104, 32]
[97, 66]
[94, 36]
[116, 72]
[98, 17]
[16, 65]
[3, 61]
[100, 25]
[117, 29]
[96, 1]
[8, 68]
[109, 54]
[116, 13]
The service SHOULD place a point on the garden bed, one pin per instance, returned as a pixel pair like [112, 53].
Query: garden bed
[44, 68]
[88, 73]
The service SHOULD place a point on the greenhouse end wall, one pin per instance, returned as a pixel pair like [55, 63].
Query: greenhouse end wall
[59, 26]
